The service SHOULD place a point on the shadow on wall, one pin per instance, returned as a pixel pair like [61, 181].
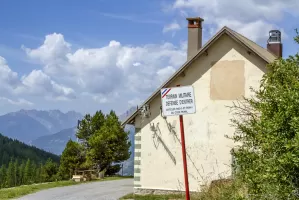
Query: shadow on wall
[172, 131]
[203, 180]
[192, 74]
[157, 140]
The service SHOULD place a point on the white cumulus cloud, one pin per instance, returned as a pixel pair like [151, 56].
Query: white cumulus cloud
[174, 26]
[19, 102]
[54, 49]
[103, 71]
[8, 78]
[36, 83]
[165, 73]
[252, 18]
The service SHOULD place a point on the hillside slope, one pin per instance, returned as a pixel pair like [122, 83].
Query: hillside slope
[10, 148]
[55, 143]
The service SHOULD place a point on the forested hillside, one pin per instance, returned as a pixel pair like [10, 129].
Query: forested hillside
[103, 146]
[17, 150]
[23, 164]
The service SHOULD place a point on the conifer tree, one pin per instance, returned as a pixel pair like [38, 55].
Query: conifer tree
[37, 174]
[27, 172]
[2, 176]
[16, 173]
[10, 174]
[104, 140]
[22, 173]
[71, 159]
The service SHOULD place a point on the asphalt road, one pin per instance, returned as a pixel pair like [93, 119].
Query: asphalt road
[106, 190]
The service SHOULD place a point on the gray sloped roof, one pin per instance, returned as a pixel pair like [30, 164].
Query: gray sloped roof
[262, 52]
[258, 50]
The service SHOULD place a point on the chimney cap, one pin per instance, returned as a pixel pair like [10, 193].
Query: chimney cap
[195, 19]
[274, 36]
[194, 22]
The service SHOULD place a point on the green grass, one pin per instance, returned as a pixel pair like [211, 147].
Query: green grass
[219, 190]
[9, 193]
[159, 197]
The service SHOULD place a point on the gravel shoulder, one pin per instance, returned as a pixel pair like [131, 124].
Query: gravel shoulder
[106, 190]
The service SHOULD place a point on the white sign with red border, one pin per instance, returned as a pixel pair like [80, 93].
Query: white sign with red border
[178, 101]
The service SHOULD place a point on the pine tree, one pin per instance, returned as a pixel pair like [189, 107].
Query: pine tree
[22, 172]
[89, 125]
[16, 173]
[50, 170]
[37, 174]
[2, 176]
[110, 143]
[27, 172]
[71, 159]
[43, 175]
[10, 174]
[33, 172]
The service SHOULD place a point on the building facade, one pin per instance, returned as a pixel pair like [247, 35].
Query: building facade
[221, 72]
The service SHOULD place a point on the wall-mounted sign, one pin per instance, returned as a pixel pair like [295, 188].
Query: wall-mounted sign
[178, 101]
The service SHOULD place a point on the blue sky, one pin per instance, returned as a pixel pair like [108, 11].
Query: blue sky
[91, 55]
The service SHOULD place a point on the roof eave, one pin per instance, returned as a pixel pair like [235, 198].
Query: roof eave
[188, 62]
[130, 119]
[178, 72]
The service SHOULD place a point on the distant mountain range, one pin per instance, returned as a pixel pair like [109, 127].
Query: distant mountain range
[125, 115]
[28, 125]
[55, 143]
[54, 120]
[51, 130]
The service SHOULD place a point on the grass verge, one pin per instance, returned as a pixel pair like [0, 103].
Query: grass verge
[10, 193]
[154, 197]
[220, 190]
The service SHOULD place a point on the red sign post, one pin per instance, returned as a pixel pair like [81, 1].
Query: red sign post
[179, 101]
[184, 155]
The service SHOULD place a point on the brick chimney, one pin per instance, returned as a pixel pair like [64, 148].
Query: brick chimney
[194, 36]
[274, 44]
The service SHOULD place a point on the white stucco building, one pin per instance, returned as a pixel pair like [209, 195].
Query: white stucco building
[221, 71]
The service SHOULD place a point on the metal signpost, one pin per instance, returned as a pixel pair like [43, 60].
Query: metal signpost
[179, 101]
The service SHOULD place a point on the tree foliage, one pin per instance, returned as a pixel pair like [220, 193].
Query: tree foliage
[72, 158]
[89, 125]
[113, 169]
[267, 129]
[103, 145]
[21, 164]
[15, 149]
[25, 173]
[104, 140]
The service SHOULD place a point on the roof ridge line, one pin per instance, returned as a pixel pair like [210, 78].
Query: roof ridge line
[250, 40]
[224, 30]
